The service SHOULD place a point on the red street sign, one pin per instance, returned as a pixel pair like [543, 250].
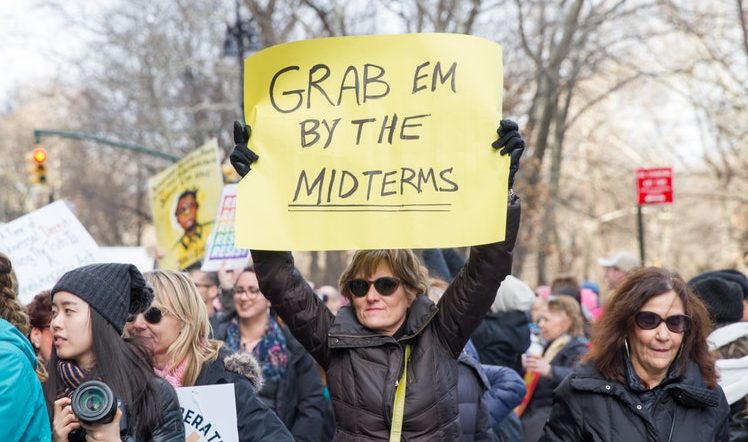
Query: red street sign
[655, 185]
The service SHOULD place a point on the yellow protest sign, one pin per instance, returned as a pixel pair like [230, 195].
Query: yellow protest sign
[374, 142]
[184, 201]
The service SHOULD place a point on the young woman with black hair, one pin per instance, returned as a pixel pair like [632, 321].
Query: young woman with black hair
[90, 306]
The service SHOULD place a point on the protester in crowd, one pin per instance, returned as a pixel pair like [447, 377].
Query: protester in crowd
[331, 297]
[723, 294]
[23, 414]
[566, 284]
[90, 305]
[40, 316]
[391, 354]
[504, 334]
[208, 286]
[487, 394]
[617, 267]
[292, 387]
[442, 263]
[649, 374]
[176, 330]
[562, 326]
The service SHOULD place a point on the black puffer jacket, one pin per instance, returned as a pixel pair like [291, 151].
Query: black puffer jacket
[588, 407]
[363, 366]
[298, 399]
[256, 421]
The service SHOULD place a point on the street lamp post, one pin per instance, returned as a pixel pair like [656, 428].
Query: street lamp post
[240, 39]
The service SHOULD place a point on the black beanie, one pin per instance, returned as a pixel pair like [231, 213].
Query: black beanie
[723, 298]
[731, 275]
[113, 290]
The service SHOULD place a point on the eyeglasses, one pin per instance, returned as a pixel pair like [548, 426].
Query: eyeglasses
[251, 290]
[651, 320]
[385, 286]
[152, 316]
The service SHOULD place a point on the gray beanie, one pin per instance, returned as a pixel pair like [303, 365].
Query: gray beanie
[113, 290]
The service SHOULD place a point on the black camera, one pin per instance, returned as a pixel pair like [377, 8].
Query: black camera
[94, 403]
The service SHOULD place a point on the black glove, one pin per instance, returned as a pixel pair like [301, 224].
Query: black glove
[242, 157]
[510, 142]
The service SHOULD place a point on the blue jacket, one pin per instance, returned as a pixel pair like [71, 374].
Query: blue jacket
[22, 407]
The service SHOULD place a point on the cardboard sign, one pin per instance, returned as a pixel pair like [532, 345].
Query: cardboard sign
[184, 199]
[43, 245]
[221, 249]
[374, 142]
[209, 413]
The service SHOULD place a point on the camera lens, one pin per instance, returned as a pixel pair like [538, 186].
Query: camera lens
[94, 403]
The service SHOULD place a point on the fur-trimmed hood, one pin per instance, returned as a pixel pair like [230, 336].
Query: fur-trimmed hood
[244, 364]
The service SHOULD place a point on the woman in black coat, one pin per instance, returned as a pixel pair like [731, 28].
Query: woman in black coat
[176, 330]
[649, 375]
[292, 384]
[562, 326]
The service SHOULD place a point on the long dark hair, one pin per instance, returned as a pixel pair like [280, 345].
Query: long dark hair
[617, 321]
[125, 366]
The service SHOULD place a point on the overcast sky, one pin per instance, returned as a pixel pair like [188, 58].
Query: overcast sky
[34, 39]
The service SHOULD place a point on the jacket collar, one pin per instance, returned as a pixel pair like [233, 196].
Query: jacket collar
[347, 332]
[688, 390]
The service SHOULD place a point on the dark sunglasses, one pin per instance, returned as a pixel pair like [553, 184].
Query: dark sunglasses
[651, 320]
[152, 316]
[386, 285]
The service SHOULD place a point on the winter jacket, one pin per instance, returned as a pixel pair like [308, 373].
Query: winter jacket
[539, 408]
[23, 412]
[486, 395]
[298, 397]
[502, 338]
[256, 421]
[170, 427]
[364, 366]
[471, 384]
[588, 407]
[730, 344]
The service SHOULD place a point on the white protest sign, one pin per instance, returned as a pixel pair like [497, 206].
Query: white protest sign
[209, 413]
[43, 245]
[221, 249]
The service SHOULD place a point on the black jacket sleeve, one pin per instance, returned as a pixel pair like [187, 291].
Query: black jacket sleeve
[255, 420]
[309, 411]
[291, 296]
[470, 295]
[170, 427]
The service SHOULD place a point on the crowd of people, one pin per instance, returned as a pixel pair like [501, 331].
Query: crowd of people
[412, 345]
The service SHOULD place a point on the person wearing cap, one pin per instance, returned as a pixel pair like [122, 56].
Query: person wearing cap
[617, 267]
[723, 294]
[90, 306]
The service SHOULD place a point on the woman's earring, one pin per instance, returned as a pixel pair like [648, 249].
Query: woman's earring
[626, 345]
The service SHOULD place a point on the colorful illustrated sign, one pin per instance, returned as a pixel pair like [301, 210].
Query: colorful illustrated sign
[374, 142]
[221, 250]
[43, 245]
[209, 413]
[184, 199]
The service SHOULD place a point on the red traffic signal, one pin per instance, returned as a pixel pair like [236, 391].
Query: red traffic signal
[39, 155]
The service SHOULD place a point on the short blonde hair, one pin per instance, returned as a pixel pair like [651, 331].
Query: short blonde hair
[404, 263]
[569, 306]
[180, 298]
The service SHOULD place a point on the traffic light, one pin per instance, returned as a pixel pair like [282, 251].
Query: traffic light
[38, 168]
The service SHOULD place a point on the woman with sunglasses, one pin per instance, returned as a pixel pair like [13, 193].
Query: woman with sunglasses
[176, 330]
[649, 375]
[90, 305]
[292, 384]
[562, 326]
